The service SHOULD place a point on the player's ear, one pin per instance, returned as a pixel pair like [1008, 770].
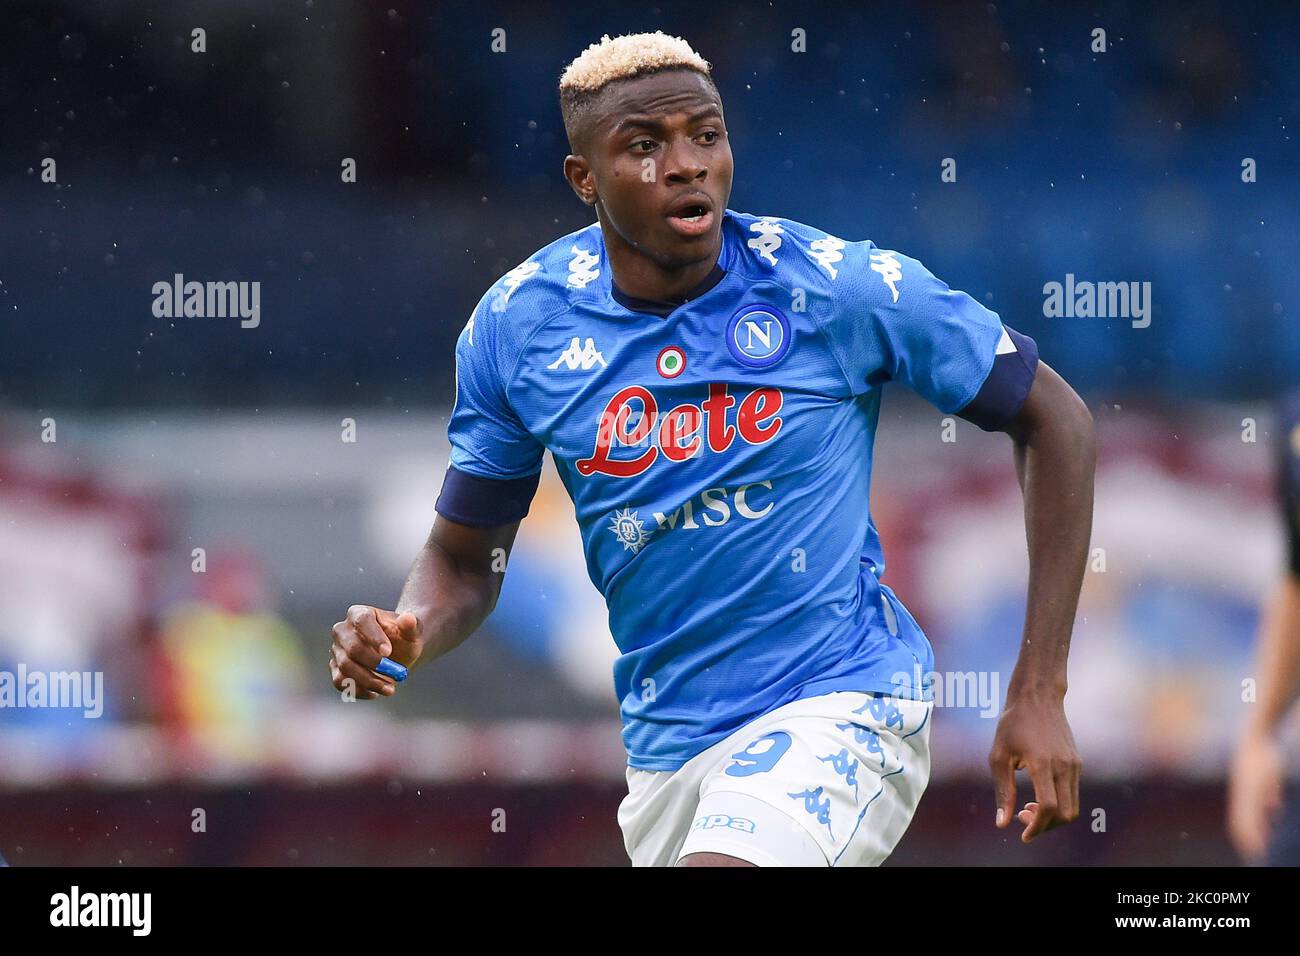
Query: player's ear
[578, 173]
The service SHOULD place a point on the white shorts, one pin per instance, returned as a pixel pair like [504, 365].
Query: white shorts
[831, 780]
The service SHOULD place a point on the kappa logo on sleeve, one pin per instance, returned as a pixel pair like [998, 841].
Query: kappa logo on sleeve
[582, 268]
[768, 240]
[890, 269]
[512, 281]
[826, 252]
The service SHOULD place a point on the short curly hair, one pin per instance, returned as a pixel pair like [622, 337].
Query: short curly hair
[621, 58]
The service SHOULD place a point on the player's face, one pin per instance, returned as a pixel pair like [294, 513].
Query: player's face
[662, 166]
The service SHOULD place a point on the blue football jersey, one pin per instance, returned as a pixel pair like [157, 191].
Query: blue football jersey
[718, 454]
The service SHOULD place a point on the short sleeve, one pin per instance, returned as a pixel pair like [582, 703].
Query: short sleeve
[488, 439]
[896, 321]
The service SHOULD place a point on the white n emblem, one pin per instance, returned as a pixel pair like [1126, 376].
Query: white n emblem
[575, 358]
[764, 333]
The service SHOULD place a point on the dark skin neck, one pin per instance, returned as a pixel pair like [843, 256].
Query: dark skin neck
[638, 275]
[642, 148]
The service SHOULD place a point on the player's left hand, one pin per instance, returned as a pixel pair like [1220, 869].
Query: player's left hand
[1255, 794]
[1034, 735]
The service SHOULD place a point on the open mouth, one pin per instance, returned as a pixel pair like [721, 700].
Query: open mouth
[691, 217]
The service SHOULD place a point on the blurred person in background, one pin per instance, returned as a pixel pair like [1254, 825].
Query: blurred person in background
[231, 665]
[1263, 807]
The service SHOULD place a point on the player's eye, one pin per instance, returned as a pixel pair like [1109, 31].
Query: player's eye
[644, 145]
[710, 136]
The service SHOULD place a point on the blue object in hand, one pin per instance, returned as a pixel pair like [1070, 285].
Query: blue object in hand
[390, 668]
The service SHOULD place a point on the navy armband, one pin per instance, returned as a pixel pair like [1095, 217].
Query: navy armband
[485, 502]
[1004, 391]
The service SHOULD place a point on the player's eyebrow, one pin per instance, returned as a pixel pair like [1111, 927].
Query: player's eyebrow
[653, 122]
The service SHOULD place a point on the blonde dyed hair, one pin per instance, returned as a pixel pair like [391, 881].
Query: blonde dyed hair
[622, 58]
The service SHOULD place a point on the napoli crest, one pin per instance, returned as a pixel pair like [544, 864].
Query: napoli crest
[758, 336]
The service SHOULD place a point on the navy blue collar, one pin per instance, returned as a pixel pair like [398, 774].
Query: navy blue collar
[664, 307]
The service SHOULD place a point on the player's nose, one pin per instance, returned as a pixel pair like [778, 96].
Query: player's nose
[685, 164]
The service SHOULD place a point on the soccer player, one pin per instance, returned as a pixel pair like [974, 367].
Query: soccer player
[1263, 820]
[708, 383]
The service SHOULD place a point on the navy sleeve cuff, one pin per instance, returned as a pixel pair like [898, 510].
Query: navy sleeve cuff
[485, 502]
[1007, 386]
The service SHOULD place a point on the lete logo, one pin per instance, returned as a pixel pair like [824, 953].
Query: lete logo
[678, 433]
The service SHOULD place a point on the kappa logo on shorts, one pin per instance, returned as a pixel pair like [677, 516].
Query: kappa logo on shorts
[884, 710]
[846, 766]
[711, 820]
[760, 756]
[863, 734]
[818, 804]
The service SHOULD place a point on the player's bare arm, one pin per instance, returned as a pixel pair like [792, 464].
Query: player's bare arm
[452, 587]
[1257, 805]
[1255, 786]
[1056, 455]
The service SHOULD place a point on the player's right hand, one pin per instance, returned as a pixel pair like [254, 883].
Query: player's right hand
[365, 636]
[1254, 794]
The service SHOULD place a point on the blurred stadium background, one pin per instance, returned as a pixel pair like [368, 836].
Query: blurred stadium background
[176, 435]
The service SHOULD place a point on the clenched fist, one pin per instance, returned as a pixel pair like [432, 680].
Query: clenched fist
[365, 636]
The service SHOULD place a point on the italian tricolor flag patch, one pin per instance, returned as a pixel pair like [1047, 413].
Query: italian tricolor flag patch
[672, 361]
